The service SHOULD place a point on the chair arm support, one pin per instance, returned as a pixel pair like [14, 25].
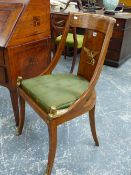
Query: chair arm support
[61, 46]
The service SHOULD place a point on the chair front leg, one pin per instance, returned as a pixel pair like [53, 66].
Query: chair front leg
[52, 129]
[92, 125]
[21, 115]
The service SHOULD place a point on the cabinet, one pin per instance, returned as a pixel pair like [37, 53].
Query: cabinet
[120, 44]
[24, 42]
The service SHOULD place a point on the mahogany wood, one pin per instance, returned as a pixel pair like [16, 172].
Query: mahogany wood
[120, 44]
[57, 27]
[24, 42]
[99, 30]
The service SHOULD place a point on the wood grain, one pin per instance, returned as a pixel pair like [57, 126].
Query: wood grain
[24, 42]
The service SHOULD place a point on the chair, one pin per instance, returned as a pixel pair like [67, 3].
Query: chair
[73, 41]
[58, 98]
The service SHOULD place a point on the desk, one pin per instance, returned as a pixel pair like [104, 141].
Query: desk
[24, 43]
[119, 49]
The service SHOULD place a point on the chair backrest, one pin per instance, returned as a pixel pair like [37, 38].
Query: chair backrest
[96, 40]
[57, 24]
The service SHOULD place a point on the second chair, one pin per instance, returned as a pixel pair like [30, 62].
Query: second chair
[73, 41]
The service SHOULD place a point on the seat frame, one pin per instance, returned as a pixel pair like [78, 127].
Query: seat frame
[87, 101]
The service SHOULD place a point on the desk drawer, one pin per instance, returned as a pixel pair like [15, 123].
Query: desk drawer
[113, 55]
[117, 34]
[115, 44]
[31, 59]
[120, 24]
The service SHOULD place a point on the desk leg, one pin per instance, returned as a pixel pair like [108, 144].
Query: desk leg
[14, 101]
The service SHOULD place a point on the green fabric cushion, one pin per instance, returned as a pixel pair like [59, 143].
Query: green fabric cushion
[58, 90]
[70, 40]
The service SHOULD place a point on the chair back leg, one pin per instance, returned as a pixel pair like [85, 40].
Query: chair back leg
[92, 125]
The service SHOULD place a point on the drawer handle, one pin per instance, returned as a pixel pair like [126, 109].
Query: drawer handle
[117, 24]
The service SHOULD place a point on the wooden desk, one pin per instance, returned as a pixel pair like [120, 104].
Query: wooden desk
[120, 45]
[24, 42]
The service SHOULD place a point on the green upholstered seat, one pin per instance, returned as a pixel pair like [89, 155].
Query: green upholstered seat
[70, 40]
[57, 90]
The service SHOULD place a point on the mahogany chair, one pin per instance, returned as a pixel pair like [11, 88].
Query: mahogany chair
[58, 98]
[73, 41]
